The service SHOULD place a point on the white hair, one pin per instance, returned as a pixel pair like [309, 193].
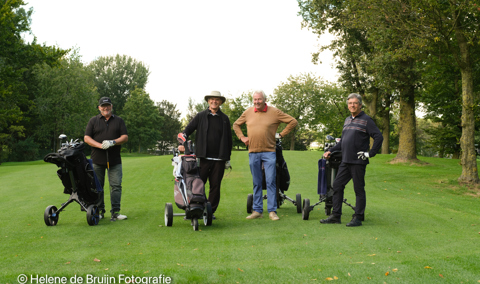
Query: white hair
[260, 92]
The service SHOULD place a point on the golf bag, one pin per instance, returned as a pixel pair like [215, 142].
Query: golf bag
[188, 181]
[283, 175]
[189, 190]
[78, 180]
[327, 172]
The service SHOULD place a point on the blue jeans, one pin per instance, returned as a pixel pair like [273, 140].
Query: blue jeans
[115, 174]
[268, 159]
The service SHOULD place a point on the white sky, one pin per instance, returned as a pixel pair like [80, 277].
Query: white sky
[191, 47]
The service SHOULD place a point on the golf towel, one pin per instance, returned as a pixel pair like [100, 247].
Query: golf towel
[322, 177]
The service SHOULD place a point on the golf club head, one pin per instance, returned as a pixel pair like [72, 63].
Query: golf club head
[330, 138]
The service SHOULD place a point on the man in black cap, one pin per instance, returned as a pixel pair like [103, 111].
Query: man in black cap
[105, 133]
[213, 144]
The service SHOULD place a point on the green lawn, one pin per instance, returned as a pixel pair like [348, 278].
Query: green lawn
[420, 227]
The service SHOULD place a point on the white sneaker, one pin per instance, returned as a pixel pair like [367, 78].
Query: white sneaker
[121, 217]
[118, 216]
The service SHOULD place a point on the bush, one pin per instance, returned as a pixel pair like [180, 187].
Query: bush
[26, 150]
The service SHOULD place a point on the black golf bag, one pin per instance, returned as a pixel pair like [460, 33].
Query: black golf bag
[282, 180]
[327, 172]
[78, 179]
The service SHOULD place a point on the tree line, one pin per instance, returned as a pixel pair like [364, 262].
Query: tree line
[400, 55]
[406, 54]
[46, 91]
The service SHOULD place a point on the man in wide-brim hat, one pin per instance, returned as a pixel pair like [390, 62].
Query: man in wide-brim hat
[213, 144]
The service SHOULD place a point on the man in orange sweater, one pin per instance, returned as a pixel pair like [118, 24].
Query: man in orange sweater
[262, 123]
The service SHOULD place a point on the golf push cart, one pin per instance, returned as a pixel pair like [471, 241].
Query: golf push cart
[189, 190]
[327, 172]
[78, 178]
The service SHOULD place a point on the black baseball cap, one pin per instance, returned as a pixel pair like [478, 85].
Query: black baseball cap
[104, 101]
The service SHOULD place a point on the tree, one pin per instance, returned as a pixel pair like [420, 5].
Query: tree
[143, 121]
[65, 100]
[451, 25]
[391, 59]
[171, 124]
[318, 106]
[117, 76]
[17, 58]
[233, 108]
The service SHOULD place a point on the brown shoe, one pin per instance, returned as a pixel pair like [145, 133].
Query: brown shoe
[255, 215]
[273, 216]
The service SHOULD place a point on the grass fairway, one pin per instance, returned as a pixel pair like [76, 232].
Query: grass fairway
[420, 227]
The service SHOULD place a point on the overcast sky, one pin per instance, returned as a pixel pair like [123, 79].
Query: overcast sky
[191, 47]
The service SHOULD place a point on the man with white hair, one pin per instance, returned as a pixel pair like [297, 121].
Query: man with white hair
[262, 123]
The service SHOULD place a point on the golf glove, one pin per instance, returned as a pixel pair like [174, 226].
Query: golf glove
[228, 165]
[181, 138]
[277, 136]
[363, 155]
[107, 144]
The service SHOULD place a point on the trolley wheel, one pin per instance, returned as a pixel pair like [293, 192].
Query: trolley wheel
[306, 209]
[207, 214]
[299, 202]
[195, 223]
[328, 210]
[51, 216]
[93, 215]
[168, 214]
[249, 203]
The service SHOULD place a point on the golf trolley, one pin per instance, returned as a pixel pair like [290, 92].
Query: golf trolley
[282, 181]
[78, 178]
[189, 190]
[327, 172]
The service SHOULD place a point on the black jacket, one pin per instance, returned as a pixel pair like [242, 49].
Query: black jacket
[356, 137]
[200, 123]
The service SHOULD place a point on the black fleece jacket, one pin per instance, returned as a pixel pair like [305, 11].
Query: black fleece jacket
[200, 123]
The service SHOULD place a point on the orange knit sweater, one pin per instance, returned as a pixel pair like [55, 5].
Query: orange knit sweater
[262, 126]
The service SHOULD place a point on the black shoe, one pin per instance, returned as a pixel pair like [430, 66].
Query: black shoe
[355, 222]
[213, 217]
[331, 220]
[361, 218]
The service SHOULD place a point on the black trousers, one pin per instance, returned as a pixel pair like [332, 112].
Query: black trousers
[347, 172]
[212, 171]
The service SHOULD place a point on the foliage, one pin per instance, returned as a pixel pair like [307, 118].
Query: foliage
[24, 150]
[234, 108]
[65, 100]
[117, 76]
[17, 58]
[171, 125]
[318, 106]
[143, 121]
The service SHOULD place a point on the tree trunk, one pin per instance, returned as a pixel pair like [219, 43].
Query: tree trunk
[467, 141]
[385, 123]
[407, 150]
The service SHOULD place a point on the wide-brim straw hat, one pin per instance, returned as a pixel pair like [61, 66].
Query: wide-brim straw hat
[215, 94]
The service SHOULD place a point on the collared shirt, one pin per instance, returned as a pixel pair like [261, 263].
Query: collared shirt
[265, 109]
